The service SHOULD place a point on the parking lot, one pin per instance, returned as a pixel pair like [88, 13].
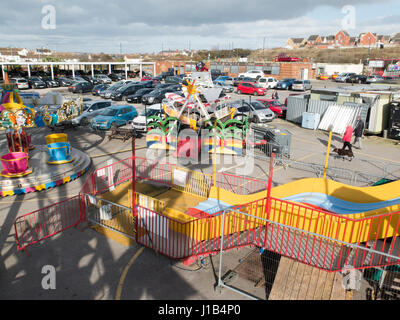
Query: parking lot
[91, 266]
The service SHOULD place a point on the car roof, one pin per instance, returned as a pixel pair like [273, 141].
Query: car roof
[95, 101]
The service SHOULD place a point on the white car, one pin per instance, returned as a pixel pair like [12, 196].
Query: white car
[254, 74]
[21, 83]
[139, 123]
[267, 82]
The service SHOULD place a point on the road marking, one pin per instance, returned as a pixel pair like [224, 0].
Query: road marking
[125, 272]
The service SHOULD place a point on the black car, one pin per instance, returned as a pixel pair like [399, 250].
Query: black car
[51, 83]
[147, 83]
[168, 73]
[163, 85]
[116, 76]
[91, 79]
[36, 82]
[356, 78]
[157, 95]
[81, 87]
[99, 88]
[64, 82]
[125, 91]
[173, 80]
[137, 96]
[246, 79]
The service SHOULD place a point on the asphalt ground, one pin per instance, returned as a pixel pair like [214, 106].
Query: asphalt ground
[89, 266]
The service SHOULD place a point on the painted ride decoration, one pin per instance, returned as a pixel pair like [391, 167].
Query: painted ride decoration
[212, 124]
[14, 117]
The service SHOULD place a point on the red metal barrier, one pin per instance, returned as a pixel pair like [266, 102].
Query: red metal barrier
[48, 221]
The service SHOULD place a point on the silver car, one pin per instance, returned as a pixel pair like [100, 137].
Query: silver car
[255, 110]
[226, 88]
[301, 85]
[90, 109]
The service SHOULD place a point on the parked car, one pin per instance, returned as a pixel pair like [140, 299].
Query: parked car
[267, 82]
[106, 94]
[254, 74]
[91, 79]
[90, 109]
[81, 87]
[285, 58]
[140, 122]
[168, 73]
[21, 83]
[36, 83]
[50, 83]
[236, 81]
[157, 95]
[357, 78]
[278, 108]
[113, 117]
[301, 85]
[99, 88]
[251, 88]
[224, 80]
[63, 81]
[285, 84]
[122, 92]
[137, 96]
[375, 78]
[227, 88]
[255, 110]
[115, 76]
[102, 78]
[343, 76]
[173, 80]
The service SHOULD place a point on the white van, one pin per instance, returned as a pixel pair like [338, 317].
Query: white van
[267, 82]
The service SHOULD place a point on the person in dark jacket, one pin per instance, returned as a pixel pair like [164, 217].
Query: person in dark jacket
[275, 95]
[358, 132]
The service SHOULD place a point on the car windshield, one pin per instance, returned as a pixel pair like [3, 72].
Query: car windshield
[109, 112]
[257, 85]
[85, 106]
[149, 112]
[122, 88]
[298, 82]
[143, 91]
[275, 103]
[257, 105]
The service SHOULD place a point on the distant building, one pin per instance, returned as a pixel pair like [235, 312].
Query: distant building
[313, 39]
[342, 38]
[295, 43]
[367, 39]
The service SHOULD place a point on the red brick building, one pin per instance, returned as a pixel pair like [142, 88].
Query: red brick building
[313, 39]
[367, 39]
[342, 38]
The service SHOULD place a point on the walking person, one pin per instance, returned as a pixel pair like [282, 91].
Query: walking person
[358, 132]
[348, 134]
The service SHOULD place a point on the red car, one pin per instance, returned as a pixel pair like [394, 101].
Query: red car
[275, 106]
[146, 78]
[251, 88]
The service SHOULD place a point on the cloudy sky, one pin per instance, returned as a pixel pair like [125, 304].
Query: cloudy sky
[150, 25]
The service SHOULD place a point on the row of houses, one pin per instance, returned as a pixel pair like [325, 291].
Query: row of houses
[22, 54]
[343, 39]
